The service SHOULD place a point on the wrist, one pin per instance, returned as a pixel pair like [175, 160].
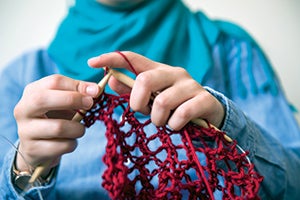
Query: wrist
[21, 176]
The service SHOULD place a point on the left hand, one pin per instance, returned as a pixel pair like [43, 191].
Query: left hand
[180, 98]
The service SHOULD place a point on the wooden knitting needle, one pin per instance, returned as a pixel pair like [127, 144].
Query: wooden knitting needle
[129, 82]
[77, 117]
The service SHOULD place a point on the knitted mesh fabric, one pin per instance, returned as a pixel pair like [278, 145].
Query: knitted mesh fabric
[167, 164]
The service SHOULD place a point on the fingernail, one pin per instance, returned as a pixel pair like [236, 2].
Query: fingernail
[87, 102]
[92, 90]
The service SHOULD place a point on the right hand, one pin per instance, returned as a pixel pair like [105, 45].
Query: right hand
[44, 115]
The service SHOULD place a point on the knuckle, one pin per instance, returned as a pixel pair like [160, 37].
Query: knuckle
[53, 81]
[183, 113]
[58, 128]
[37, 100]
[18, 111]
[181, 70]
[189, 86]
[209, 100]
[161, 101]
[71, 100]
[30, 88]
[144, 80]
[81, 86]
[33, 99]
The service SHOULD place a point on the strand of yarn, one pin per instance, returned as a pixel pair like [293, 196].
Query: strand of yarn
[150, 175]
[165, 164]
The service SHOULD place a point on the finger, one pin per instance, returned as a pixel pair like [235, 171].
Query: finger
[50, 129]
[201, 106]
[118, 87]
[56, 100]
[116, 60]
[39, 151]
[153, 81]
[169, 99]
[58, 82]
[145, 85]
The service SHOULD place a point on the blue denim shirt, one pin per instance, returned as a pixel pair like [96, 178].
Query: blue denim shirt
[261, 122]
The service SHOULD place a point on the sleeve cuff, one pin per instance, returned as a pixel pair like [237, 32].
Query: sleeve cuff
[235, 124]
[13, 192]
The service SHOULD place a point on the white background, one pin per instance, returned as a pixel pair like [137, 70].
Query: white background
[275, 24]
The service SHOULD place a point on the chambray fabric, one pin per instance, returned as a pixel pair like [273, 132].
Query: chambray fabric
[260, 120]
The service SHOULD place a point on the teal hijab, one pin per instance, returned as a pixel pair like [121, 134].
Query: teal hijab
[162, 30]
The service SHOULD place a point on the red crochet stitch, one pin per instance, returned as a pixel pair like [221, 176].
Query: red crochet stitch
[137, 171]
[165, 164]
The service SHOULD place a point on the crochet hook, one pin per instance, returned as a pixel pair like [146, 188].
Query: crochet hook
[129, 82]
[77, 117]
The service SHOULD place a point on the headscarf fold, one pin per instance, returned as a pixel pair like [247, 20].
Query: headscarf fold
[163, 30]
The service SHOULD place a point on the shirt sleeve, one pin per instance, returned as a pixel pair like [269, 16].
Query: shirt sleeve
[259, 118]
[8, 191]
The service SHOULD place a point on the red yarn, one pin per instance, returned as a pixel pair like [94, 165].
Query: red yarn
[171, 173]
[167, 164]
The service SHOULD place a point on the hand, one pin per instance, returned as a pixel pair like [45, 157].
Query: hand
[180, 98]
[43, 117]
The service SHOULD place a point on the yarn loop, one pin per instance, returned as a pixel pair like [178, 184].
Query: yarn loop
[194, 162]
